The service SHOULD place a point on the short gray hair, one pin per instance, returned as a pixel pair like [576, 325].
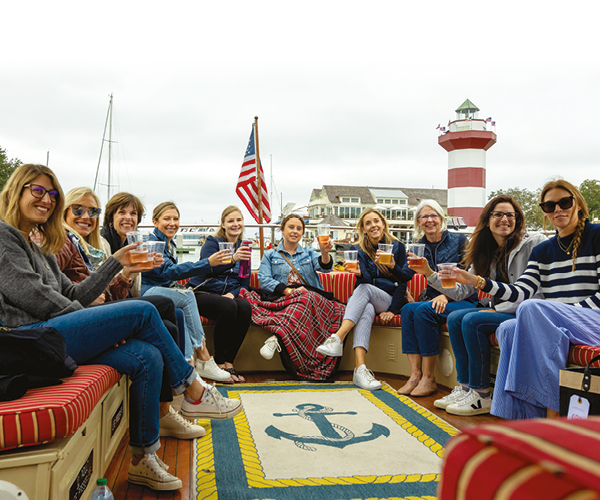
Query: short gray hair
[418, 232]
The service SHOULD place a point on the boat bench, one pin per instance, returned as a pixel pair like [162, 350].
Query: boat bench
[56, 441]
[385, 352]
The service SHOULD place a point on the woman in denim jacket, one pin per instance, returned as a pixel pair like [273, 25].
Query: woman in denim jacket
[380, 289]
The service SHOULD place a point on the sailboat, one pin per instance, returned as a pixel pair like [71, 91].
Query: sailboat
[108, 124]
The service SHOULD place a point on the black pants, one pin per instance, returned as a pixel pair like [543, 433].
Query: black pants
[232, 318]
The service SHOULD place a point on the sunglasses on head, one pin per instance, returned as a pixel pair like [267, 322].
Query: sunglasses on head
[564, 203]
[38, 191]
[79, 210]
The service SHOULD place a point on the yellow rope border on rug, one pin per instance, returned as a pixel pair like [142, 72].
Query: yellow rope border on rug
[206, 482]
[254, 471]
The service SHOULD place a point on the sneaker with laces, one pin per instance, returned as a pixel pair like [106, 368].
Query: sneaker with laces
[457, 393]
[366, 380]
[151, 472]
[174, 425]
[209, 369]
[332, 347]
[471, 404]
[271, 345]
[212, 405]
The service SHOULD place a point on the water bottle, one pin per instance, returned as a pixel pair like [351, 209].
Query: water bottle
[244, 271]
[101, 491]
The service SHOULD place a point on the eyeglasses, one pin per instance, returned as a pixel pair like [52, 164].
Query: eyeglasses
[40, 191]
[564, 203]
[428, 216]
[499, 215]
[79, 210]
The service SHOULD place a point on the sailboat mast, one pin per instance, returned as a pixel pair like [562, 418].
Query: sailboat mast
[109, 145]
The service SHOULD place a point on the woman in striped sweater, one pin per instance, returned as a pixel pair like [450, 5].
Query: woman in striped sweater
[535, 345]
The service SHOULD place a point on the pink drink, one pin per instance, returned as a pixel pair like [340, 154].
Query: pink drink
[244, 271]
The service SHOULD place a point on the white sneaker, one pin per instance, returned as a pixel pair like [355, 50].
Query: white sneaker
[457, 393]
[332, 347]
[174, 425]
[150, 472]
[212, 405]
[471, 404]
[366, 380]
[271, 345]
[209, 369]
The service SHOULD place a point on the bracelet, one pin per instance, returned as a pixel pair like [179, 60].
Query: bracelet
[480, 283]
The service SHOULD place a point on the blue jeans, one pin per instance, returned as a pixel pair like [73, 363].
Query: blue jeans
[184, 300]
[91, 334]
[469, 332]
[421, 326]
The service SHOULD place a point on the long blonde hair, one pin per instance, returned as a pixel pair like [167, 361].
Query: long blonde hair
[51, 231]
[582, 212]
[221, 233]
[363, 238]
[71, 198]
[418, 232]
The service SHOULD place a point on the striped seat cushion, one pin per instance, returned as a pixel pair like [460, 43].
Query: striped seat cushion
[54, 412]
[543, 458]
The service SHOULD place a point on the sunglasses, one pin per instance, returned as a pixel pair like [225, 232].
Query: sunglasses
[79, 210]
[499, 215]
[40, 191]
[564, 203]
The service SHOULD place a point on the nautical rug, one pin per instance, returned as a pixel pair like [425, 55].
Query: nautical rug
[320, 441]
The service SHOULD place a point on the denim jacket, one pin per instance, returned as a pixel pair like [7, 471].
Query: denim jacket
[221, 279]
[274, 270]
[395, 285]
[171, 271]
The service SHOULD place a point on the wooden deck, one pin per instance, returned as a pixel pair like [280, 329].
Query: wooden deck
[178, 453]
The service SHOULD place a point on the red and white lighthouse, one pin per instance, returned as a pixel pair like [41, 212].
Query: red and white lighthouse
[466, 141]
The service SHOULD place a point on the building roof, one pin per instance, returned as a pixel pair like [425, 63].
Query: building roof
[365, 193]
[467, 106]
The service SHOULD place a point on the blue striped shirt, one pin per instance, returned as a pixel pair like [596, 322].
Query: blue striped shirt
[550, 270]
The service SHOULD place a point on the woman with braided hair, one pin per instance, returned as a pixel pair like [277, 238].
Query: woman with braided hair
[535, 345]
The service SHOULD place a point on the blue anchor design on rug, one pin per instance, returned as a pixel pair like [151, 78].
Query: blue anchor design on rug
[329, 435]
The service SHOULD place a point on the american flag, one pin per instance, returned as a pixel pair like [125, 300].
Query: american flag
[246, 187]
[488, 120]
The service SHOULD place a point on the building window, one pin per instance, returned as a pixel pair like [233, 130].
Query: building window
[402, 202]
[345, 200]
[394, 202]
[380, 200]
[354, 200]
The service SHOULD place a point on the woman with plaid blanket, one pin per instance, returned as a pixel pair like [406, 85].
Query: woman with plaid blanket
[300, 318]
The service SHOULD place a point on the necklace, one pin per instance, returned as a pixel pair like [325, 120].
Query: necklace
[566, 249]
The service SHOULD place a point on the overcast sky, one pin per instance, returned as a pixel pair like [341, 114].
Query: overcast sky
[346, 92]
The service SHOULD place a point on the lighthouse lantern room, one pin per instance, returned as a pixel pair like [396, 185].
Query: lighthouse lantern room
[467, 141]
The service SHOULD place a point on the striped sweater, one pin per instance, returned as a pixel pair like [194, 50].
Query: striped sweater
[550, 270]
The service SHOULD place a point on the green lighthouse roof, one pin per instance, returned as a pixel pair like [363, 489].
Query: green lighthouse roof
[467, 106]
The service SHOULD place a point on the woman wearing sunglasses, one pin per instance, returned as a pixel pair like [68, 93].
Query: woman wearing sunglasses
[128, 336]
[535, 345]
[421, 320]
[499, 248]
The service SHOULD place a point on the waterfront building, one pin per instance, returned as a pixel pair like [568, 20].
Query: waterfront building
[467, 140]
[347, 203]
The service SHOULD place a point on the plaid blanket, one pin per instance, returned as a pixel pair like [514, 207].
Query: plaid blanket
[303, 320]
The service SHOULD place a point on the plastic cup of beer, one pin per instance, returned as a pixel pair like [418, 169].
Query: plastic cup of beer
[351, 259]
[139, 254]
[385, 255]
[447, 274]
[323, 236]
[153, 248]
[226, 245]
[418, 249]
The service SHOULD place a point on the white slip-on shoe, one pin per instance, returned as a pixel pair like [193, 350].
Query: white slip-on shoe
[332, 347]
[267, 351]
[366, 380]
[471, 404]
[212, 405]
[457, 393]
[209, 369]
[150, 472]
[174, 425]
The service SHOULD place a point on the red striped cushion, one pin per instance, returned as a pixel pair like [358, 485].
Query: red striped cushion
[50, 413]
[482, 295]
[545, 458]
[341, 284]
[416, 285]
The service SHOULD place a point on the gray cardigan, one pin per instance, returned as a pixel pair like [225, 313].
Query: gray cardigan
[517, 263]
[32, 287]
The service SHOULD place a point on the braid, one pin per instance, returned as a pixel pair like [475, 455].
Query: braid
[577, 238]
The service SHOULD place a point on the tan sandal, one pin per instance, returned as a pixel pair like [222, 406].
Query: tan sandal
[407, 388]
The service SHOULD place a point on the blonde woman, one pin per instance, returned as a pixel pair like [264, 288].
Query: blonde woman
[380, 290]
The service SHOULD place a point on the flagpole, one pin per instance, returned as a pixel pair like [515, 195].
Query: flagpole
[259, 190]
